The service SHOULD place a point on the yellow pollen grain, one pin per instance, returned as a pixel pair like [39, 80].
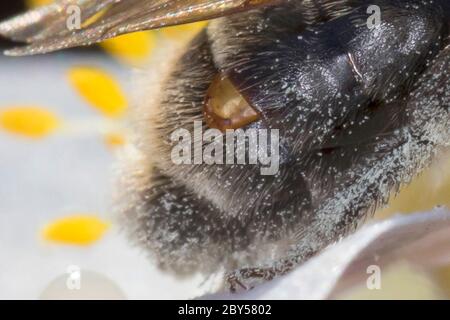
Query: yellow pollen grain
[133, 48]
[99, 89]
[28, 121]
[75, 230]
[184, 31]
[114, 139]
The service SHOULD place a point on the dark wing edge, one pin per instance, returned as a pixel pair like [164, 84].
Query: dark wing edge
[45, 29]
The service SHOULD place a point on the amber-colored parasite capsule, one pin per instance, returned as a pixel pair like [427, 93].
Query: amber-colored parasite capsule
[225, 107]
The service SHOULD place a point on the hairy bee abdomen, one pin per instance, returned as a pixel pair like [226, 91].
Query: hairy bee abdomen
[340, 94]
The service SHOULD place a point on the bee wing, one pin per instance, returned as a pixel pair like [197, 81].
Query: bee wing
[46, 29]
[46, 21]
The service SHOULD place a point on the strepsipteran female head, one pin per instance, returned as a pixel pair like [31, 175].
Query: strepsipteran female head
[360, 110]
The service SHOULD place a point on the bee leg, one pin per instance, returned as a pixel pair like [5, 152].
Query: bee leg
[248, 278]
